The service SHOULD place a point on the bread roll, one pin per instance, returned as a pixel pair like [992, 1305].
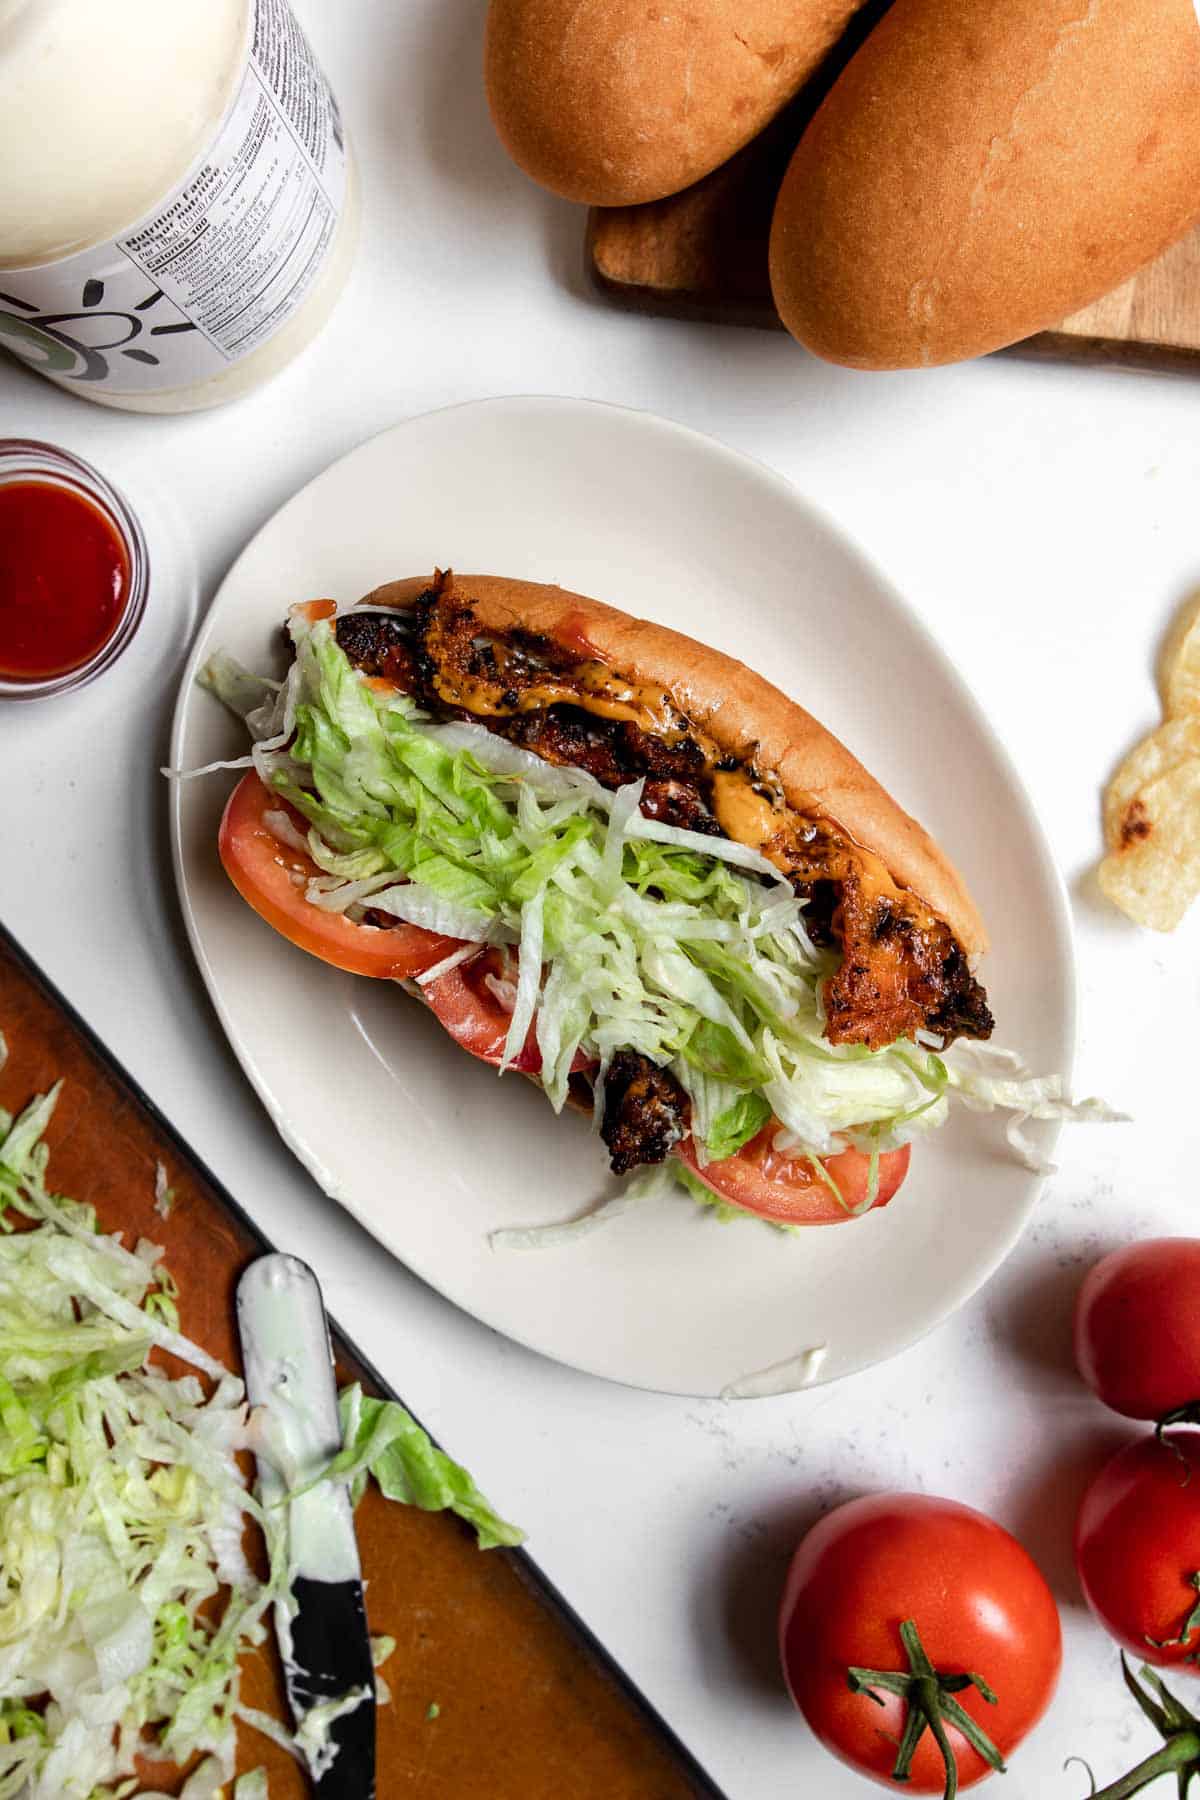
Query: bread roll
[982, 169]
[613, 102]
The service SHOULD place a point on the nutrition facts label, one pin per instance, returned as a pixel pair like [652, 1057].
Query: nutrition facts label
[224, 262]
[287, 68]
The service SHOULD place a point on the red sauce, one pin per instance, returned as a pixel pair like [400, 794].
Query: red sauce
[64, 580]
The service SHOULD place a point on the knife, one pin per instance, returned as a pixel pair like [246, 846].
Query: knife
[322, 1629]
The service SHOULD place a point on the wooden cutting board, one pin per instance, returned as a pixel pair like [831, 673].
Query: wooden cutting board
[528, 1706]
[702, 255]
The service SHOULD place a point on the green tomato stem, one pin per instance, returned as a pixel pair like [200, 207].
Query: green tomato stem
[1190, 1625]
[930, 1706]
[1179, 1756]
[1180, 1728]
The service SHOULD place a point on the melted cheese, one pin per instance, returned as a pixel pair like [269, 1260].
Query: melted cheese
[590, 686]
[742, 812]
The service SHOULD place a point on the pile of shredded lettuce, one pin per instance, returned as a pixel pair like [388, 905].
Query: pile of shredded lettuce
[123, 1508]
[619, 931]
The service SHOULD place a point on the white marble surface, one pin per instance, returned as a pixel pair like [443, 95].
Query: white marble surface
[1044, 521]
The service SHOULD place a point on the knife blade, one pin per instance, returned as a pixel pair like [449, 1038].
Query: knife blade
[322, 1629]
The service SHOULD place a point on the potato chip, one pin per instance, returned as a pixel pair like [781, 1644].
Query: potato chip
[1180, 664]
[1173, 743]
[1153, 872]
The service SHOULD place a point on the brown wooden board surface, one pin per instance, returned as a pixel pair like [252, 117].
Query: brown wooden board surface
[702, 255]
[529, 1705]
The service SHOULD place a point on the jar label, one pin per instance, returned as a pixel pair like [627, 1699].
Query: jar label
[223, 263]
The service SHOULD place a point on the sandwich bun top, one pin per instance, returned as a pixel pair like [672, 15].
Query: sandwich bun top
[745, 715]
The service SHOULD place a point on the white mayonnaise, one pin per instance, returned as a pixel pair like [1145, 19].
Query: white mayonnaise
[787, 1377]
[290, 1383]
[178, 204]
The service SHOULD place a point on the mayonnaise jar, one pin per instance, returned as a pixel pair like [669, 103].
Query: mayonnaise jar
[178, 200]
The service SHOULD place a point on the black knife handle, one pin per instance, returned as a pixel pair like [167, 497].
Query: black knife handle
[331, 1654]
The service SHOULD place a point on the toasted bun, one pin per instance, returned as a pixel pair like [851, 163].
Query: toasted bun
[741, 711]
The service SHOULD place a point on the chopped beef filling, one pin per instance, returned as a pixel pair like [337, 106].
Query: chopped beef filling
[645, 1112]
[902, 969]
[676, 803]
[960, 1007]
[616, 751]
[897, 977]
[379, 644]
[819, 913]
[382, 921]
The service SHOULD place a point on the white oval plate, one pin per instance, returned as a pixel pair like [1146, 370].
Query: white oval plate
[429, 1149]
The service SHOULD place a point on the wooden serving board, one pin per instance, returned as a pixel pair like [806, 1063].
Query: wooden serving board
[702, 254]
[529, 1706]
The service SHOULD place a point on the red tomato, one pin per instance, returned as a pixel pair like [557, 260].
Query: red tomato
[788, 1189]
[1137, 1328]
[469, 1010]
[261, 869]
[979, 1604]
[315, 610]
[1137, 1546]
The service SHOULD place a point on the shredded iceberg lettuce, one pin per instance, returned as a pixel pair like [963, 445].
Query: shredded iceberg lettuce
[986, 1077]
[629, 933]
[126, 1599]
[314, 1739]
[122, 1507]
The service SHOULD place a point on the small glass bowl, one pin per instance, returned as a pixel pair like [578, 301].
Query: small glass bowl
[24, 459]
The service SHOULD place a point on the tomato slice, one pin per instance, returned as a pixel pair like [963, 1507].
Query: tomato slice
[787, 1189]
[468, 1009]
[262, 870]
[315, 610]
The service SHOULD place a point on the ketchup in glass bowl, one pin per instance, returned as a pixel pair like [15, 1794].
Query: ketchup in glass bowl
[74, 571]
